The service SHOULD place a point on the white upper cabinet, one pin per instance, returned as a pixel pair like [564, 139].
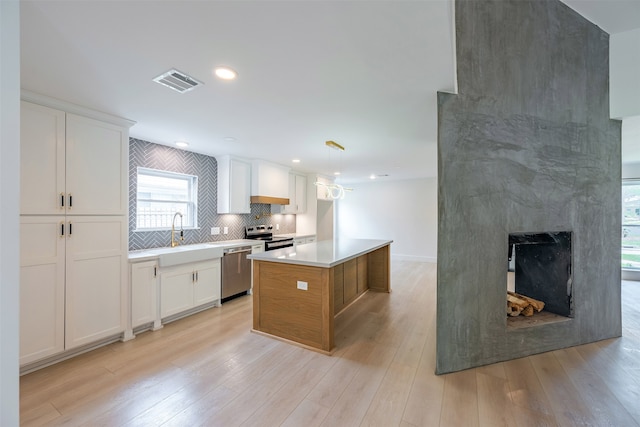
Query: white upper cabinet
[234, 185]
[96, 166]
[71, 164]
[42, 160]
[297, 196]
[269, 183]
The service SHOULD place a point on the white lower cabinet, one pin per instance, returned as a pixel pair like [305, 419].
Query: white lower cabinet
[187, 286]
[144, 294]
[73, 273]
[42, 280]
[302, 240]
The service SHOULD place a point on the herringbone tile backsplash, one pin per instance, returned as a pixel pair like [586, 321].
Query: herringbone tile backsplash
[155, 156]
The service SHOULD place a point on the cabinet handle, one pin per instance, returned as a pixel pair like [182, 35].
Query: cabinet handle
[155, 271]
[61, 200]
[193, 276]
[196, 276]
[70, 228]
[62, 229]
[70, 201]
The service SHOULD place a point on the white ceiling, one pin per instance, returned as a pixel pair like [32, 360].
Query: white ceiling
[362, 73]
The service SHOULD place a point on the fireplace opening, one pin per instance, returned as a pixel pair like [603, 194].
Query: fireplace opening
[539, 276]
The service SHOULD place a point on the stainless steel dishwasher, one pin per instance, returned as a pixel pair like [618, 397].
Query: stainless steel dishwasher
[236, 272]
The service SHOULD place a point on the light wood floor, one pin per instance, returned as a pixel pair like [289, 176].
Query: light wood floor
[210, 370]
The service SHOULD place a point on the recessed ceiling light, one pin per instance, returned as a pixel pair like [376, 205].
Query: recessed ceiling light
[296, 160]
[182, 144]
[372, 176]
[225, 73]
[336, 173]
[229, 139]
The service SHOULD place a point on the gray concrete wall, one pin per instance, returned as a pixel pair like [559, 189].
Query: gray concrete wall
[526, 146]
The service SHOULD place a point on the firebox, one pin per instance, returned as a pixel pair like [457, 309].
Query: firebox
[541, 264]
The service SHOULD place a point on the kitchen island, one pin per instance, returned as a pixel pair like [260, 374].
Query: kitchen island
[298, 291]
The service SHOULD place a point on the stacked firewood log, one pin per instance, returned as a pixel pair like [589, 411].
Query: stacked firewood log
[522, 305]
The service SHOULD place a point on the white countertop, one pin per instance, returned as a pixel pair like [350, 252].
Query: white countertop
[326, 253]
[294, 235]
[153, 253]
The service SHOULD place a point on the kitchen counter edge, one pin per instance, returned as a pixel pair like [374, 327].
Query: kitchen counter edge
[316, 254]
[141, 255]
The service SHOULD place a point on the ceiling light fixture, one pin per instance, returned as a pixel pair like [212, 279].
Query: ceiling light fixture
[229, 139]
[334, 145]
[296, 160]
[372, 176]
[333, 191]
[225, 73]
[182, 144]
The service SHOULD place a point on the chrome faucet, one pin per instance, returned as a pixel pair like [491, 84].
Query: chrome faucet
[174, 242]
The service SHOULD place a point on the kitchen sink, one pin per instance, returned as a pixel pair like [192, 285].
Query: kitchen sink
[187, 253]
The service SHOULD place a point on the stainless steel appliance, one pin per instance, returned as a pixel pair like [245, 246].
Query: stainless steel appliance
[236, 272]
[265, 233]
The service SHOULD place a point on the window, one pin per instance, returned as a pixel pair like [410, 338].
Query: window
[161, 194]
[631, 224]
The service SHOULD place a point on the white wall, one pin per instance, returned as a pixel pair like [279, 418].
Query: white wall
[404, 211]
[630, 170]
[624, 68]
[9, 209]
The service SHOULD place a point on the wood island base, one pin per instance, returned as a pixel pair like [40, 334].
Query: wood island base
[298, 303]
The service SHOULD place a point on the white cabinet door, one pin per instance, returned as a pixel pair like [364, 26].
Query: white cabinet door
[240, 187]
[234, 185]
[96, 167]
[206, 288]
[300, 190]
[292, 206]
[303, 240]
[176, 289]
[42, 162]
[144, 295]
[95, 277]
[297, 196]
[42, 254]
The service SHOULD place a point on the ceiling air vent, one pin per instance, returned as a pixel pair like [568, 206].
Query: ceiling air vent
[177, 81]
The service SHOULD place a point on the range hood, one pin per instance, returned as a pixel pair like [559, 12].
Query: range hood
[269, 183]
[271, 200]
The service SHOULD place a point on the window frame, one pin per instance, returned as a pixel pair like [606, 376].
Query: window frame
[191, 202]
[627, 227]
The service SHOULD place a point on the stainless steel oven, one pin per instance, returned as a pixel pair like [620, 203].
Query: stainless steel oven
[265, 233]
